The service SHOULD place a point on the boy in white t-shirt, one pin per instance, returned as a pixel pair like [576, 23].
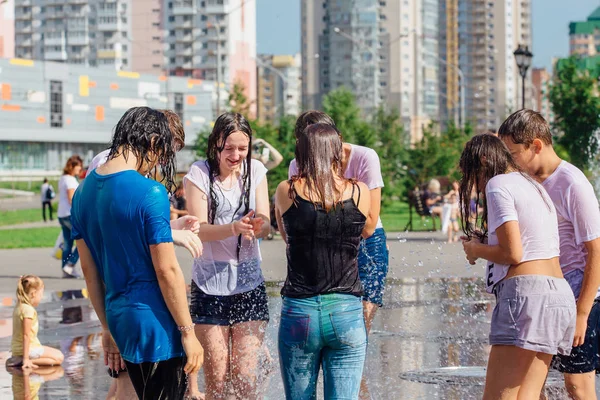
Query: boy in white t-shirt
[527, 135]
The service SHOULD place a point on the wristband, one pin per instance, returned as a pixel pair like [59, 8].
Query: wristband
[186, 328]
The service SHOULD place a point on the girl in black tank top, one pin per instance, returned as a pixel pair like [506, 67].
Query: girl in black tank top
[321, 216]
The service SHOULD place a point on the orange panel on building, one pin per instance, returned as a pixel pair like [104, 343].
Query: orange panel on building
[92, 84]
[99, 113]
[190, 100]
[5, 91]
[10, 107]
[41, 120]
[114, 86]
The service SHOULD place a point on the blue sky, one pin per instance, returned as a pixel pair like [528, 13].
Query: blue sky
[278, 26]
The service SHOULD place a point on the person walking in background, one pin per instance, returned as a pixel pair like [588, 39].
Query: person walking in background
[66, 189]
[527, 135]
[322, 217]
[27, 351]
[534, 316]
[229, 194]
[134, 280]
[47, 195]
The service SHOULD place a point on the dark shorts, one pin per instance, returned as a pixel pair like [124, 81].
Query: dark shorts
[373, 263]
[208, 309]
[163, 380]
[584, 358]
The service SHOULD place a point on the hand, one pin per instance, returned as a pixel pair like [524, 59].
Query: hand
[28, 364]
[258, 141]
[193, 351]
[112, 355]
[244, 226]
[257, 224]
[580, 329]
[189, 240]
[187, 222]
[470, 246]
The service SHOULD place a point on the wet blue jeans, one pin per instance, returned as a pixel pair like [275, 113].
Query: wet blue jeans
[326, 330]
[69, 256]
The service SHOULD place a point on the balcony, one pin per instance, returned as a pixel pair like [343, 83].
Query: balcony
[55, 15]
[107, 54]
[55, 55]
[182, 9]
[24, 43]
[108, 26]
[184, 52]
[20, 14]
[79, 41]
[54, 41]
[179, 38]
[23, 29]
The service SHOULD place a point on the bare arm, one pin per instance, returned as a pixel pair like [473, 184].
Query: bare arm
[282, 204]
[70, 193]
[93, 281]
[374, 210]
[262, 208]
[197, 204]
[274, 159]
[591, 278]
[364, 205]
[27, 322]
[508, 251]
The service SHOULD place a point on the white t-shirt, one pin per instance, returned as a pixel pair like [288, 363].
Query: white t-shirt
[578, 214]
[97, 161]
[65, 183]
[513, 197]
[219, 271]
[363, 165]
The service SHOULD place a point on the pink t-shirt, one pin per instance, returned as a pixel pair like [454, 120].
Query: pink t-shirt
[513, 197]
[363, 165]
[578, 214]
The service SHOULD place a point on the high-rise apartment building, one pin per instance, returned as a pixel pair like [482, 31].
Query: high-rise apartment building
[213, 40]
[123, 34]
[386, 52]
[279, 86]
[540, 80]
[479, 37]
[7, 29]
[584, 36]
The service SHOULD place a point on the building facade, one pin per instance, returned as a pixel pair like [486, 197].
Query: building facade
[540, 80]
[279, 87]
[385, 52]
[50, 111]
[7, 29]
[481, 36]
[213, 40]
[123, 35]
[584, 36]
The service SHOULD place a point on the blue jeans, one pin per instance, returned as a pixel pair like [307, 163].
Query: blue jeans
[326, 330]
[69, 256]
[373, 264]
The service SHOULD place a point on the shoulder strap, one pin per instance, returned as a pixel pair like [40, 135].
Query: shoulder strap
[353, 186]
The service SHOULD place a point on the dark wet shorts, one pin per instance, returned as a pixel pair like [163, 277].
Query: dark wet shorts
[373, 263]
[163, 380]
[115, 374]
[208, 309]
[584, 358]
[534, 312]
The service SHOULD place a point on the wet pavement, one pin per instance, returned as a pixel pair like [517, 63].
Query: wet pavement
[428, 342]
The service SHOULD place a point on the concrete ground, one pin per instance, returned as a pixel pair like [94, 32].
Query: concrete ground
[412, 255]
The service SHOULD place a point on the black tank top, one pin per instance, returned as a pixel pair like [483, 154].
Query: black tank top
[322, 248]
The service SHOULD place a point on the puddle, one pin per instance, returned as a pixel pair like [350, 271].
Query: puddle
[429, 341]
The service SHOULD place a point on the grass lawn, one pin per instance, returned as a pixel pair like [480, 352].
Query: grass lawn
[14, 217]
[33, 186]
[396, 216]
[28, 238]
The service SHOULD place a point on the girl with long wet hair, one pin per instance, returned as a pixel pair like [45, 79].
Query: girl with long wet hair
[228, 192]
[534, 317]
[321, 216]
[121, 224]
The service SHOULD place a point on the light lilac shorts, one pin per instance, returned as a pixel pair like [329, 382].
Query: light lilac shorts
[534, 312]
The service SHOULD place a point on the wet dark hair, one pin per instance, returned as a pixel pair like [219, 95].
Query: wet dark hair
[225, 125]
[319, 160]
[524, 126]
[311, 117]
[484, 157]
[144, 131]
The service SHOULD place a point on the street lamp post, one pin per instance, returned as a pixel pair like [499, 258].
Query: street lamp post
[523, 58]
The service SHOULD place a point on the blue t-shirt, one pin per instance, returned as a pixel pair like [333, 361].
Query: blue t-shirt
[119, 216]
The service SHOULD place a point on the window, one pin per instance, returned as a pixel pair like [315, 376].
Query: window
[178, 107]
[124, 61]
[56, 104]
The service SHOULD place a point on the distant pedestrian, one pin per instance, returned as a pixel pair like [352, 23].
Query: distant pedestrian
[66, 189]
[47, 195]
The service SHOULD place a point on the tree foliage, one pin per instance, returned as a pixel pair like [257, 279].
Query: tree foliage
[576, 107]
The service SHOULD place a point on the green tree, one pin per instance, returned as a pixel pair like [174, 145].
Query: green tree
[576, 107]
[340, 104]
[238, 101]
